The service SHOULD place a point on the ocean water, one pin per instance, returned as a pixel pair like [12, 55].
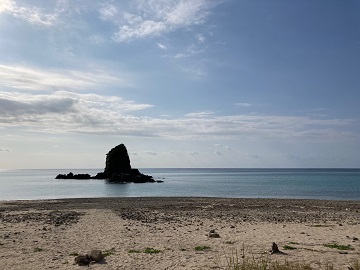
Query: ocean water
[326, 184]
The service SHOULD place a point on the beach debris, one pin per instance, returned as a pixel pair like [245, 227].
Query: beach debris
[213, 234]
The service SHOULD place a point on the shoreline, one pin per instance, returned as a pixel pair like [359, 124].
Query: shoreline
[44, 234]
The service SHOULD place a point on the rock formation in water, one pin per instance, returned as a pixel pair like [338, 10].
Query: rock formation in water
[117, 160]
[117, 169]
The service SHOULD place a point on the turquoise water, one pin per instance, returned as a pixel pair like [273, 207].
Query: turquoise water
[328, 184]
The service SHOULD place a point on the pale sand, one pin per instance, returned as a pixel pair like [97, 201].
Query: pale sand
[45, 234]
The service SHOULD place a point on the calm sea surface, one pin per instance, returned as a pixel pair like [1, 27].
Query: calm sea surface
[328, 184]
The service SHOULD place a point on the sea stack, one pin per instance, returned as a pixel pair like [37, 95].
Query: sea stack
[117, 169]
[117, 160]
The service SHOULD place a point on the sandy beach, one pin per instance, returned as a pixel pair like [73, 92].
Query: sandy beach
[173, 233]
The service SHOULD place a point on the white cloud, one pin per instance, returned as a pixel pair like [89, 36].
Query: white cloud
[181, 55]
[92, 113]
[33, 15]
[243, 104]
[223, 146]
[199, 114]
[155, 17]
[26, 78]
[161, 46]
[97, 39]
[200, 38]
[108, 12]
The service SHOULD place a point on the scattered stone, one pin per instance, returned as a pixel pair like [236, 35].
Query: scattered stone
[83, 260]
[96, 255]
[274, 248]
[57, 218]
[355, 238]
[213, 234]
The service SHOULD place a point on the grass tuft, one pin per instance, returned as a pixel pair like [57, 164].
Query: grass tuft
[202, 248]
[286, 247]
[146, 250]
[355, 265]
[339, 247]
[109, 252]
[321, 225]
[151, 250]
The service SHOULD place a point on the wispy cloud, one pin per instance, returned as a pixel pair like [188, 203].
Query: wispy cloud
[17, 104]
[161, 46]
[199, 114]
[90, 113]
[200, 38]
[2, 149]
[27, 78]
[243, 104]
[33, 15]
[156, 17]
[108, 13]
[222, 146]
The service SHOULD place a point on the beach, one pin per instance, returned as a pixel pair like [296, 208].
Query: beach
[177, 233]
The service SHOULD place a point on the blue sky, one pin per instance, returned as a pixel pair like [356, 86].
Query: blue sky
[182, 83]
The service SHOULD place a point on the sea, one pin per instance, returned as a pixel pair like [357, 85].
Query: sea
[324, 184]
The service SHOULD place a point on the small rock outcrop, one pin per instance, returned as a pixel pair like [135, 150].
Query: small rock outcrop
[117, 169]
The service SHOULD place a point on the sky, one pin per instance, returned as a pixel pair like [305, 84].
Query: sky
[182, 83]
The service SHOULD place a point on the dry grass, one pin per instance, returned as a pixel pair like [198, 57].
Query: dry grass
[264, 262]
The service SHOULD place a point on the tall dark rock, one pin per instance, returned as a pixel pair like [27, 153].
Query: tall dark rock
[117, 169]
[117, 160]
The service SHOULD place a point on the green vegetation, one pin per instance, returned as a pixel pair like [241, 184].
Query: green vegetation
[134, 251]
[109, 252]
[293, 243]
[74, 254]
[339, 247]
[146, 250]
[38, 249]
[264, 262]
[321, 225]
[202, 248]
[234, 262]
[151, 250]
[286, 247]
